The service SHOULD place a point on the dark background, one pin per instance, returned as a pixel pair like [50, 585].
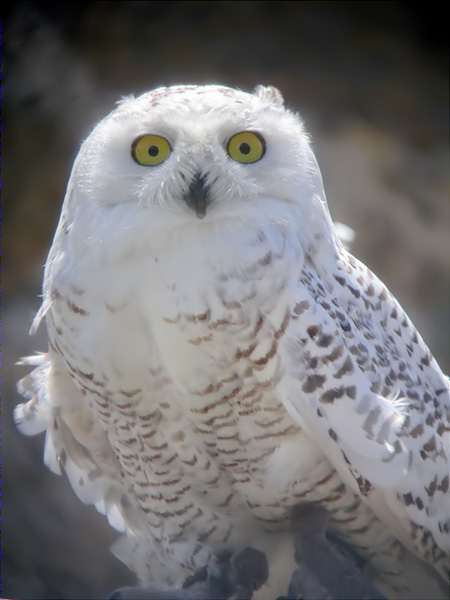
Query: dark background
[370, 80]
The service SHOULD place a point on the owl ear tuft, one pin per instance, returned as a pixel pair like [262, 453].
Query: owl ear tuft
[269, 94]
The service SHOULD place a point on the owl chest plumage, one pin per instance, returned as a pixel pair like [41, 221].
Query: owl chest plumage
[184, 375]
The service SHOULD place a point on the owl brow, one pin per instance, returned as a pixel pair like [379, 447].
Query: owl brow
[158, 127]
[245, 128]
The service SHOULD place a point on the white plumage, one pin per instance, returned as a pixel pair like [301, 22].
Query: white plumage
[213, 362]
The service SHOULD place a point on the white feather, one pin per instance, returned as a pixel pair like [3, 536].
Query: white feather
[163, 326]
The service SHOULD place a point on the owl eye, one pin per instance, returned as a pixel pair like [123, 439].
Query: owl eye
[150, 150]
[246, 147]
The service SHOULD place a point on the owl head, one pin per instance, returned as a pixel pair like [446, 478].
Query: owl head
[200, 158]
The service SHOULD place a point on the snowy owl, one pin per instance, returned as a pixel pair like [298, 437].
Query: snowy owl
[217, 357]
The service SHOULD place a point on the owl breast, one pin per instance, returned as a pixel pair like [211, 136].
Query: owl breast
[218, 339]
[185, 375]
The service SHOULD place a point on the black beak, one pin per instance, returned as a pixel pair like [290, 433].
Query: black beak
[197, 197]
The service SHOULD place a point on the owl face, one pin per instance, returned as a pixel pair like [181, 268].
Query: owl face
[194, 155]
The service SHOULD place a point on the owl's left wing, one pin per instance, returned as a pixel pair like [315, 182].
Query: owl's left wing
[363, 383]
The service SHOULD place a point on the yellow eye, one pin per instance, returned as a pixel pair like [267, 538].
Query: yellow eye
[246, 147]
[150, 150]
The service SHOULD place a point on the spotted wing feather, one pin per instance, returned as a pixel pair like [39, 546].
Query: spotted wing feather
[365, 382]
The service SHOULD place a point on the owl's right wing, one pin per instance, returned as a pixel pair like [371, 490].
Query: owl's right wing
[75, 442]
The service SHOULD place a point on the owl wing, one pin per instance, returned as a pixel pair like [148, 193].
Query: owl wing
[75, 443]
[364, 383]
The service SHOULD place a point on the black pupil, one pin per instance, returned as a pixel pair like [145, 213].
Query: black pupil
[244, 148]
[153, 150]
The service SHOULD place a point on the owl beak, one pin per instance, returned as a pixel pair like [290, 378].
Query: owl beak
[197, 197]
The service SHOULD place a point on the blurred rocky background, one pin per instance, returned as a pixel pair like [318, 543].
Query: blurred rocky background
[371, 82]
